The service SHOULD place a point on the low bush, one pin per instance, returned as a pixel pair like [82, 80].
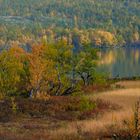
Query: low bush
[57, 107]
[6, 112]
[95, 88]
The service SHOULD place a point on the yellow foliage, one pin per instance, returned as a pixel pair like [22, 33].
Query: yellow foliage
[42, 96]
[106, 37]
[11, 69]
[42, 68]
[136, 37]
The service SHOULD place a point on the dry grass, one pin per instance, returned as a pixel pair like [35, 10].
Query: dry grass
[125, 97]
[113, 120]
[94, 127]
[85, 129]
[129, 84]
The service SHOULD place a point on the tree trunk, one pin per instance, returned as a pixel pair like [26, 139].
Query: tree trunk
[58, 89]
[69, 91]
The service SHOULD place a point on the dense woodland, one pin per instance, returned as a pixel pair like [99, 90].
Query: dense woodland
[99, 22]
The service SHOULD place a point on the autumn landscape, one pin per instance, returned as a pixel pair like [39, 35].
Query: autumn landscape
[69, 70]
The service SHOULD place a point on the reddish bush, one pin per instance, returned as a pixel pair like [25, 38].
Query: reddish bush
[95, 87]
[59, 107]
[6, 113]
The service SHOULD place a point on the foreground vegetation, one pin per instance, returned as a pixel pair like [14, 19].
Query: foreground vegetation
[54, 109]
[52, 85]
[73, 117]
[48, 69]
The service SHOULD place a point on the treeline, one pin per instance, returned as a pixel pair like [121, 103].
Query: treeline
[22, 20]
[74, 37]
[48, 69]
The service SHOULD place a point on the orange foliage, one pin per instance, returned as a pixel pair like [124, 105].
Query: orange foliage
[41, 69]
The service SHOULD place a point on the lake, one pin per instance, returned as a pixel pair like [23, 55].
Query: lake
[120, 62]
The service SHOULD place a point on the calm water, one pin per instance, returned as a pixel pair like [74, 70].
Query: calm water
[120, 62]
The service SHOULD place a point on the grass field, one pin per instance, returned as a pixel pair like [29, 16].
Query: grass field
[91, 129]
[125, 98]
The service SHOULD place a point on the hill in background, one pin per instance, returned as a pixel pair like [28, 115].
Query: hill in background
[31, 17]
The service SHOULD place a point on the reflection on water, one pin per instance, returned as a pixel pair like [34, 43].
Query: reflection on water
[120, 62]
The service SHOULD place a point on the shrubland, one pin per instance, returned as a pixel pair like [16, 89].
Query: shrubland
[48, 81]
[48, 69]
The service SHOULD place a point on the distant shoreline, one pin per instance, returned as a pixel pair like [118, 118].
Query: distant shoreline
[137, 45]
[125, 78]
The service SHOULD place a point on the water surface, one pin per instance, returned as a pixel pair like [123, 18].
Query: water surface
[120, 62]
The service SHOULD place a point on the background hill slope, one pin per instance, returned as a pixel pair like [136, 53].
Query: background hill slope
[120, 17]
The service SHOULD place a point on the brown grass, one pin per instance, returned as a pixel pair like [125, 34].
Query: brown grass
[91, 129]
[113, 120]
[129, 84]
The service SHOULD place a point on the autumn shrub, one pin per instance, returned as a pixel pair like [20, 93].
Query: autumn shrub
[6, 112]
[42, 96]
[86, 104]
[1, 96]
[129, 130]
[133, 125]
[96, 88]
[57, 107]
[14, 105]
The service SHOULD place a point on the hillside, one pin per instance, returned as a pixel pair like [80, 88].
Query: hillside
[30, 17]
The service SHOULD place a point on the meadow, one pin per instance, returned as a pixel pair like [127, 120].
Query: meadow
[114, 118]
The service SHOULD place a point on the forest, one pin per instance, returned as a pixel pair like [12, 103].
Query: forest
[99, 22]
